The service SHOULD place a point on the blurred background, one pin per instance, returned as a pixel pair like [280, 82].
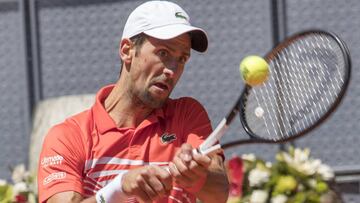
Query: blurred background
[51, 49]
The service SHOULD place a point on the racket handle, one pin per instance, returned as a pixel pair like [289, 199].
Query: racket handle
[208, 151]
[214, 136]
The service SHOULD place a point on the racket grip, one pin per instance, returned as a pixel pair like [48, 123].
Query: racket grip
[214, 136]
[207, 151]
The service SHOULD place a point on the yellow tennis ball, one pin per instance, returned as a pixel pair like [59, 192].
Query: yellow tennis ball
[254, 70]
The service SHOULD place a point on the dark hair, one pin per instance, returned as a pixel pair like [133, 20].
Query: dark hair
[137, 40]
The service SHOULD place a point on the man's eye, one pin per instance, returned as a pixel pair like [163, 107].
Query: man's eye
[163, 53]
[183, 59]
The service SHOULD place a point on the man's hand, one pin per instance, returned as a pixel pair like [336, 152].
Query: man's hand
[147, 183]
[187, 168]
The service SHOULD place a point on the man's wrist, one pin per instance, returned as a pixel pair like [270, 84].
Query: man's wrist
[112, 192]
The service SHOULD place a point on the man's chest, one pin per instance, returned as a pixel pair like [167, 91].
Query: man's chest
[117, 151]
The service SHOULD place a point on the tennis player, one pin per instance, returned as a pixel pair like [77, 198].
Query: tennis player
[135, 143]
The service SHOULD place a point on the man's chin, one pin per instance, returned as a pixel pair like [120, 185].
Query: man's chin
[154, 102]
[158, 103]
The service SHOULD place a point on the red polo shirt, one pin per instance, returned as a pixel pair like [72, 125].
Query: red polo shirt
[87, 150]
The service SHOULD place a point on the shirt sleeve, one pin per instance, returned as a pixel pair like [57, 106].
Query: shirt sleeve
[61, 162]
[197, 125]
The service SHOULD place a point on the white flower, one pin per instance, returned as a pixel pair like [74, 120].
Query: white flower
[259, 196]
[31, 198]
[279, 199]
[301, 155]
[19, 173]
[287, 158]
[326, 172]
[20, 187]
[2, 182]
[312, 183]
[301, 161]
[301, 187]
[248, 157]
[309, 167]
[258, 176]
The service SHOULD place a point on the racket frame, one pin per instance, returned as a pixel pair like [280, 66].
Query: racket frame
[239, 106]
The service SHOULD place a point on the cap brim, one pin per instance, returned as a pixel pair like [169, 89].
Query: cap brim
[199, 40]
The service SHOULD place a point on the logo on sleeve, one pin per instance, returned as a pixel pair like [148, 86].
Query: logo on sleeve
[52, 160]
[167, 138]
[54, 176]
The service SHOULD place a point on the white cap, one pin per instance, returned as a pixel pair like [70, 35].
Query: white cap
[164, 20]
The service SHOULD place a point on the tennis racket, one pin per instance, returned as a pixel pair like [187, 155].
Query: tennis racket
[309, 75]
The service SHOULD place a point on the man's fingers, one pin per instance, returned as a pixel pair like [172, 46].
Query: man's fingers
[197, 169]
[197, 166]
[202, 160]
[179, 177]
[184, 168]
[144, 193]
[166, 178]
[147, 183]
[158, 186]
[185, 153]
[188, 168]
[147, 189]
[159, 180]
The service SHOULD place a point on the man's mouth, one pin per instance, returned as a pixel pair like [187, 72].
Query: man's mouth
[162, 86]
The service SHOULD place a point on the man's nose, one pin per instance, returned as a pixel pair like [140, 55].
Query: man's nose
[171, 69]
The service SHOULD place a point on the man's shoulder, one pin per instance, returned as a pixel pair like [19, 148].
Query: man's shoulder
[183, 106]
[81, 118]
[77, 124]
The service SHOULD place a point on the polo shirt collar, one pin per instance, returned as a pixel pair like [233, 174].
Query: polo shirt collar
[105, 123]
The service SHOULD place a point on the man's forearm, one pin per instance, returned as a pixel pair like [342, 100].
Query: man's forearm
[70, 197]
[89, 200]
[216, 188]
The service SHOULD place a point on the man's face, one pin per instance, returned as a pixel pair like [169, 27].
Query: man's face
[157, 67]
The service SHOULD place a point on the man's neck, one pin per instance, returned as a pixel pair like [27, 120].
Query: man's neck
[123, 109]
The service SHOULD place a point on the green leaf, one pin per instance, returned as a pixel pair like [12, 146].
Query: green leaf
[299, 197]
[321, 187]
[234, 200]
[285, 184]
[6, 193]
[313, 197]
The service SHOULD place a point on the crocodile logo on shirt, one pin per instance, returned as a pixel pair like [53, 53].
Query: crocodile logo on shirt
[167, 138]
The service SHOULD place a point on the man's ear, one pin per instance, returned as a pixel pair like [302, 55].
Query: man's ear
[125, 51]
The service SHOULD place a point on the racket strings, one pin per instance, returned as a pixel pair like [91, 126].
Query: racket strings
[268, 108]
[305, 78]
[309, 95]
